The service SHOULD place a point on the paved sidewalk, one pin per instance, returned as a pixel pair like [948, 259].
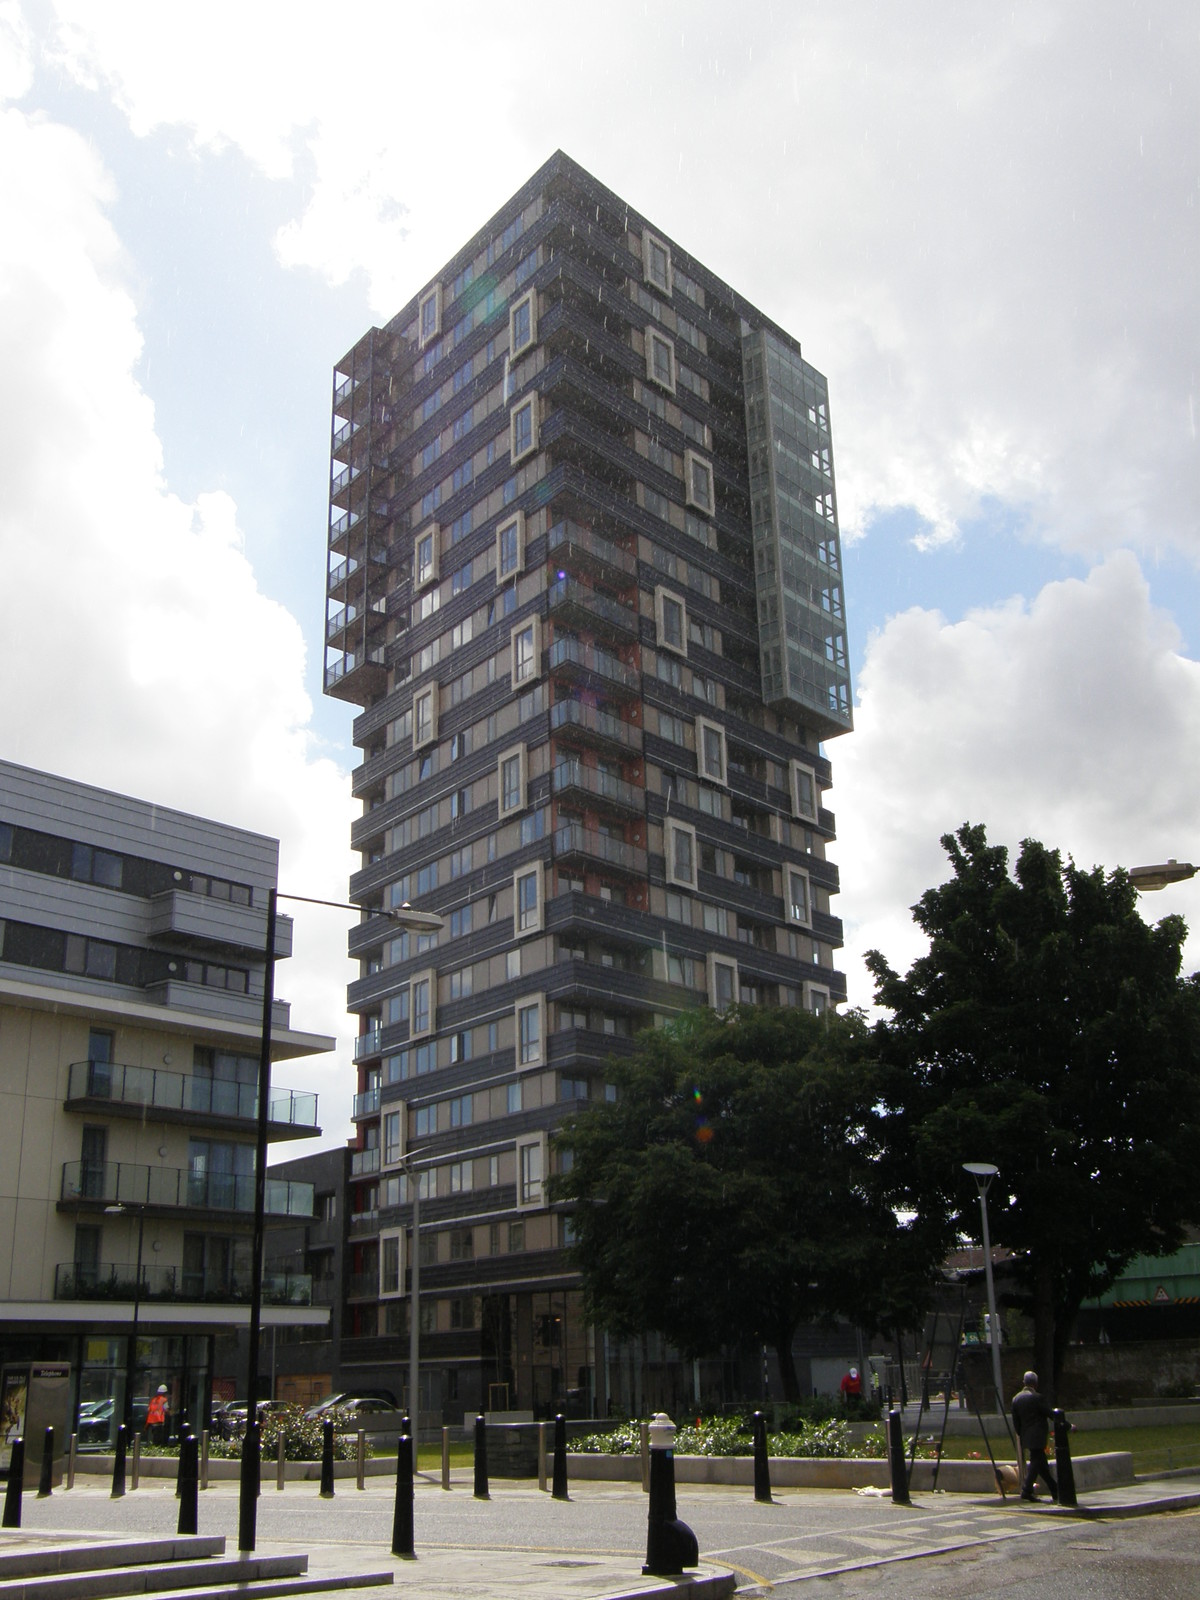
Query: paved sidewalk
[521, 1545]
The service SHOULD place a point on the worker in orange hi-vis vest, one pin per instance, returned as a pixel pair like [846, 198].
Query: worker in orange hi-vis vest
[156, 1416]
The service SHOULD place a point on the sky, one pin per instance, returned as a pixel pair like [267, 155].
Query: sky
[981, 222]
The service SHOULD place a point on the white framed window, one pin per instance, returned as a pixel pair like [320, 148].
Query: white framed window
[522, 323]
[698, 482]
[526, 651]
[425, 557]
[817, 998]
[660, 359]
[429, 316]
[531, 1172]
[798, 899]
[510, 546]
[422, 1004]
[681, 852]
[394, 1120]
[670, 621]
[528, 899]
[523, 428]
[512, 771]
[711, 760]
[656, 262]
[722, 981]
[804, 792]
[529, 1016]
[391, 1263]
[425, 716]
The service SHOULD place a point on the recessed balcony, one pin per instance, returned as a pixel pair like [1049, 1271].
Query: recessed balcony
[181, 1097]
[116, 1280]
[573, 661]
[584, 846]
[572, 779]
[106, 1183]
[578, 722]
[579, 607]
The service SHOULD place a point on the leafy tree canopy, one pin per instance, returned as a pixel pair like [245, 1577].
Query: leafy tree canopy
[739, 1186]
[1049, 1031]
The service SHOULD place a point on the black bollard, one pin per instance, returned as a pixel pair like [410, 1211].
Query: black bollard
[896, 1465]
[481, 1472]
[16, 1477]
[402, 1517]
[46, 1481]
[762, 1465]
[118, 1477]
[1064, 1471]
[179, 1465]
[558, 1489]
[189, 1484]
[327, 1460]
[670, 1544]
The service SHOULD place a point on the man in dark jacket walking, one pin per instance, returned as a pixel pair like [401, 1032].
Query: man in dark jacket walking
[1032, 1414]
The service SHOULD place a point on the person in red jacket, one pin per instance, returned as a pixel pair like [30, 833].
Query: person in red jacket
[851, 1384]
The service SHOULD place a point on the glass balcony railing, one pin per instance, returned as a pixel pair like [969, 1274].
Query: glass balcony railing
[567, 654]
[115, 1280]
[129, 1183]
[593, 612]
[569, 539]
[573, 776]
[363, 1162]
[593, 726]
[367, 1103]
[575, 840]
[162, 1090]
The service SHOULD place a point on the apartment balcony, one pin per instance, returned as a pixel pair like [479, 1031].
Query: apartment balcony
[572, 780]
[356, 676]
[115, 1280]
[584, 551]
[577, 722]
[364, 1162]
[575, 843]
[343, 435]
[342, 479]
[368, 1044]
[341, 526]
[366, 1104]
[177, 916]
[570, 660]
[179, 1097]
[362, 1222]
[339, 573]
[363, 1286]
[176, 1189]
[580, 607]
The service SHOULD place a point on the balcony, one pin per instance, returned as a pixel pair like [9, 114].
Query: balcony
[363, 1286]
[586, 551]
[364, 1162]
[345, 433]
[346, 388]
[341, 526]
[339, 572]
[368, 1044]
[175, 1189]
[579, 607]
[185, 918]
[606, 793]
[574, 661]
[136, 1090]
[114, 1280]
[577, 843]
[357, 675]
[366, 1104]
[575, 721]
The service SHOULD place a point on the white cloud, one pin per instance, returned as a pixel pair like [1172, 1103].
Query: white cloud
[146, 657]
[1072, 719]
[982, 222]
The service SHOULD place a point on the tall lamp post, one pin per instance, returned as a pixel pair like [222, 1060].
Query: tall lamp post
[983, 1173]
[131, 1354]
[423, 921]
[414, 1309]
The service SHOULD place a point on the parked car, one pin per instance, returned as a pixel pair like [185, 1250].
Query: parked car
[356, 1404]
[229, 1418]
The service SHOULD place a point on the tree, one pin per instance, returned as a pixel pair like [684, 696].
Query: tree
[1048, 1030]
[737, 1187]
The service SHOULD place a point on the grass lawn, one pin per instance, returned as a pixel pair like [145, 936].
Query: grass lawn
[1154, 1449]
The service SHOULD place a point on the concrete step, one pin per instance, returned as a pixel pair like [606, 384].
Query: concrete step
[271, 1588]
[159, 1577]
[45, 1559]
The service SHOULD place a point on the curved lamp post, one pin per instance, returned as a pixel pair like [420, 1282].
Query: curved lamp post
[983, 1172]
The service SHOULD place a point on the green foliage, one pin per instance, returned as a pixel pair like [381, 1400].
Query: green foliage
[303, 1437]
[725, 1436]
[1048, 1030]
[740, 1186]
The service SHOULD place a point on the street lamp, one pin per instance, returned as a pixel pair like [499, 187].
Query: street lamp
[131, 1354]
[983, 1173]
[423, 921]
[1158, 877]
[414, 1309]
